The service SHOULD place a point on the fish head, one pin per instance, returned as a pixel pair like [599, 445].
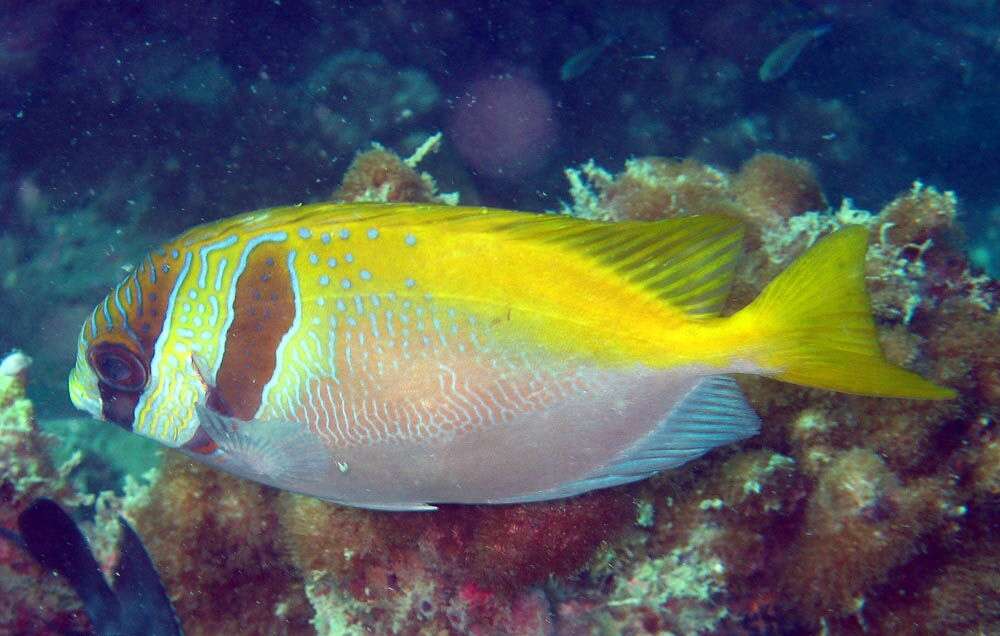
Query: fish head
[111, 371]
[131, 368]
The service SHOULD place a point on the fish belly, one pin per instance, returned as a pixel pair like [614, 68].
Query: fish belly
[474, 433]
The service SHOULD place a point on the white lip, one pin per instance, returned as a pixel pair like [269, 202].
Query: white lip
[81, 400]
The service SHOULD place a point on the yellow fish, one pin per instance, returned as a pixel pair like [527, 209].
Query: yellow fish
[395, 356]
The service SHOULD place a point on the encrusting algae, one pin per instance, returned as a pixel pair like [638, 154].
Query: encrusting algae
[746, 540]
[32, 601]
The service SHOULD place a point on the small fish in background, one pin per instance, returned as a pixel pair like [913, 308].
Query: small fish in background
[581, 61]
[136, 606]
[781, 59]
[396, 356]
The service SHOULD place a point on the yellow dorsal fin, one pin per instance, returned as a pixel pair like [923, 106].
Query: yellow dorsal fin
[687, 262]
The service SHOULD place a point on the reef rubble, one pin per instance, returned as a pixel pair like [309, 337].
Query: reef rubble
[846, 515]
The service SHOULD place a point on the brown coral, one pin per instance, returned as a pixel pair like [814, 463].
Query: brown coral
[381, 175]
[462, 567]
[214, 539]
[862, 521]
[32, 600]
[494, 547]
[920, 214]
[654, 188]
[519, 545]
[771, 187]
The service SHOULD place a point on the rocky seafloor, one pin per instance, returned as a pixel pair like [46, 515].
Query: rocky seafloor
[846, 515]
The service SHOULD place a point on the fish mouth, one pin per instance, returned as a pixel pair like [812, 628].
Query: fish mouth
[81, 397]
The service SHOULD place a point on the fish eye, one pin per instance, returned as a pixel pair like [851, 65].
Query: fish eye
[118, 367]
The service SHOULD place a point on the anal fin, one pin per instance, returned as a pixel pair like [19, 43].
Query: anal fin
[711, 414]
[387, 507]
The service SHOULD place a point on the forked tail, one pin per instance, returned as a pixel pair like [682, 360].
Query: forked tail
[816, 325]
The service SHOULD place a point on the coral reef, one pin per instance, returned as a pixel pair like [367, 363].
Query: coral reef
[463, 569]
[32, 601]
[213, 539]
[874, 499]
[381, 175]
[234, 554]
[846, 515]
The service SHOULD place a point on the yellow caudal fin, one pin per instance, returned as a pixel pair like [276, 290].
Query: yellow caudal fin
[816, 325]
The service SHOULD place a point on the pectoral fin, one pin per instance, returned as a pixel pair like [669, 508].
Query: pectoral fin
[282, 454]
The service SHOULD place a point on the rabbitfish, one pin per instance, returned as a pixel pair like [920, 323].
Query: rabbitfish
[395, 356]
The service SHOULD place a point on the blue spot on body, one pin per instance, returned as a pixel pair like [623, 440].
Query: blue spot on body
[325, 237]
[372, 233]
[365, 274]
[313, 259]
[345, 234]
[331, 262]
[324, 280]
[409, 282]
[175, 254]
[304, 233]
[341, 306]
[348, 258]
[410, 240]
[346, 283]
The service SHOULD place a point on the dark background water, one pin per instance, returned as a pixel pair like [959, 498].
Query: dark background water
[124, 122]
